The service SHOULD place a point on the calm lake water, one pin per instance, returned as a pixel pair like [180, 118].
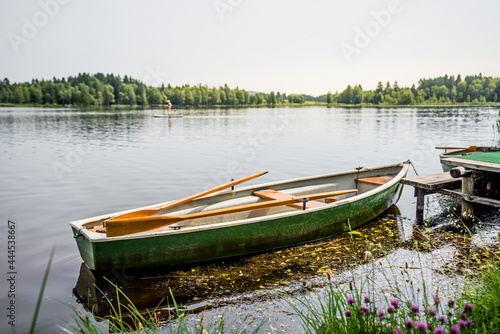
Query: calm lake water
[59, 165]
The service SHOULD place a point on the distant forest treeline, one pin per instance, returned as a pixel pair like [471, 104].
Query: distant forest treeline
[442, 90]
[105, 90]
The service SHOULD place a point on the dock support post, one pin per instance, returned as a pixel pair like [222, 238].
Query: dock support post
[467, 207]
[420, 193]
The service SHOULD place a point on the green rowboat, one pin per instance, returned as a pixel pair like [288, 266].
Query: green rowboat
[370, 192]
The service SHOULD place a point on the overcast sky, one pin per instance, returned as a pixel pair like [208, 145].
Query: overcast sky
[290, 46]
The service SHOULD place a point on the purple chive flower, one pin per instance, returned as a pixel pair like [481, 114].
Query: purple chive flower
[451, 303]
[437, 300]
[463, 316]
[367, 299]
[454, 330]
[350, 300]
[415, 309]
[347, 313]
[397, 331]
[394, 303]
[469, 323]
[469, 308]
[409, 323]
[439, 330]
[421, 326]
[381, 314]
[442, 319]
[390, 309]
[461, 323]
[365, 309]
[432, 312]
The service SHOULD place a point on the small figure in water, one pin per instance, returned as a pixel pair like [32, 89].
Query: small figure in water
[169, 105]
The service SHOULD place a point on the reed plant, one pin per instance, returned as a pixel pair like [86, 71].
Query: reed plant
[484, 294]
[127, 318]
[40, 295]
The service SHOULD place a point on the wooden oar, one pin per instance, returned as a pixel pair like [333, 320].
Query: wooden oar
[152, 211]
[470, 148]
[120, 227]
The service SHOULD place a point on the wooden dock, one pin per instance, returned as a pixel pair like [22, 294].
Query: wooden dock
[430, 184]
[462, 185]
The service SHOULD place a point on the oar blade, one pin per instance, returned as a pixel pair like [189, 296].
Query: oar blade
[136, 214]
[137, 225]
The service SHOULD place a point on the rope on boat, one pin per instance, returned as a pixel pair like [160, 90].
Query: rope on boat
[414, 169]
[357, 176]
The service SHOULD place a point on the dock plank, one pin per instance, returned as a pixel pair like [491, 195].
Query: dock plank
[472, 164]
[433, 181]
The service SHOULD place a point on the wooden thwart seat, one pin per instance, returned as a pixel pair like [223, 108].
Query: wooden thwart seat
[378, 180]
[271, 194]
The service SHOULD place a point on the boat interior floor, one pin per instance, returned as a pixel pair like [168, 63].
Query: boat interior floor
[270, 194]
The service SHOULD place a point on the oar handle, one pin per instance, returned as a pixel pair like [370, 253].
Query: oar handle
[226, 185]
[153, 210]
[470, 148]
[450, 148]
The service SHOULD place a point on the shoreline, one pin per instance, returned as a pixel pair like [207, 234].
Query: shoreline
[295, 105]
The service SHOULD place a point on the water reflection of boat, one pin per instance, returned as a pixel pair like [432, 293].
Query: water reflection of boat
[454, 152]
[231, 232]
[98, 291]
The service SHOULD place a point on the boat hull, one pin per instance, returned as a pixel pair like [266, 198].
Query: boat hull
[236, 238]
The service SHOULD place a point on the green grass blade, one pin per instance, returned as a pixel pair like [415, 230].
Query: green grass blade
[40, 295]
